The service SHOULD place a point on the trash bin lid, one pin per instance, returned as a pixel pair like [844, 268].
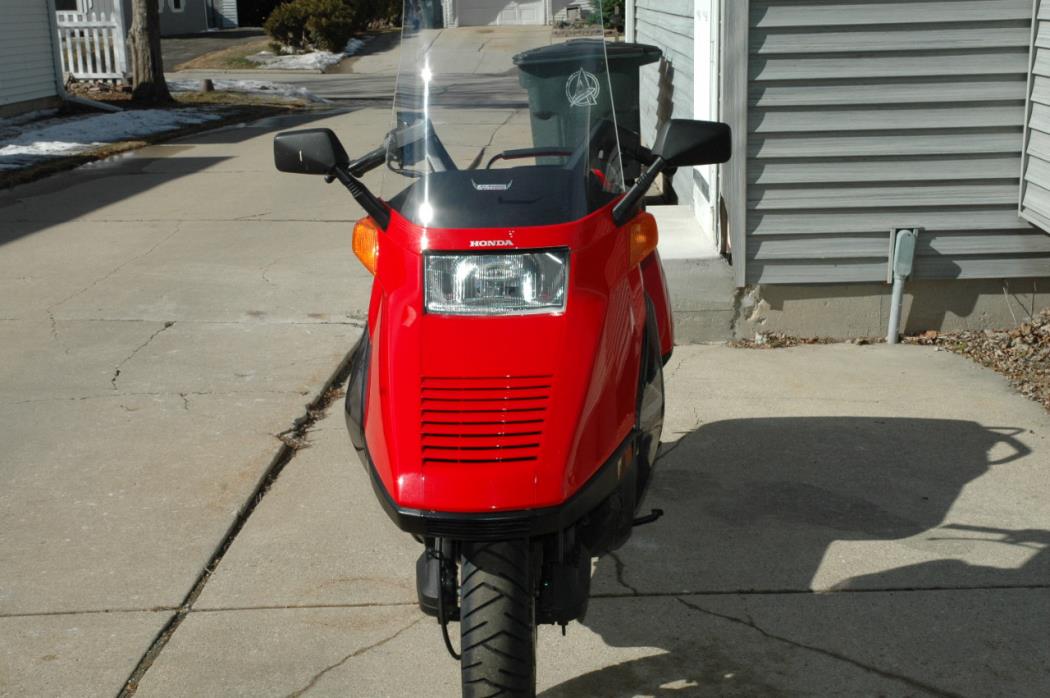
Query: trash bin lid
[574, 49]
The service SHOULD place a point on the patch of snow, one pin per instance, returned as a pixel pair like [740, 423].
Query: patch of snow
[313, 60]
[262, 87]
[20, 147]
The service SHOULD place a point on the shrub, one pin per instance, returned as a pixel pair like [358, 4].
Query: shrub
[320, 24]
[331, 24]
[287, 24]
[612, 13]
[372, 13]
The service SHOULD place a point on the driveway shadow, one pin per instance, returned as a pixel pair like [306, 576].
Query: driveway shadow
[65, 196]
[820, 556]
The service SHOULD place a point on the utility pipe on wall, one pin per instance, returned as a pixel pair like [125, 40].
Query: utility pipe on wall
[903, 258]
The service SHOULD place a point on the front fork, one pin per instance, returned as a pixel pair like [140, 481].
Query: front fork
[560, 577]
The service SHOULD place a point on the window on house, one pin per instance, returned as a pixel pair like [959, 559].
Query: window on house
[176, 5]
[66, 5]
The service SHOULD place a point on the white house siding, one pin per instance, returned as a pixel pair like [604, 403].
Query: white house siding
[666, 89]
[865, 115]
[1035, 185]
[27, 57]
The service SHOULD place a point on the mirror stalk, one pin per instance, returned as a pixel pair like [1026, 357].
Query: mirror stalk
[372, 205]
[626, 209]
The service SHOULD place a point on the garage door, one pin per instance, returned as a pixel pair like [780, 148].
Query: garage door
[476, 13]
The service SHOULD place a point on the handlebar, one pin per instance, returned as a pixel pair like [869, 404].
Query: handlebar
[368, 162]
[519, 153]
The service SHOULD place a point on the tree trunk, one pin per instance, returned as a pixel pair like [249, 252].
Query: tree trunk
[147, 69]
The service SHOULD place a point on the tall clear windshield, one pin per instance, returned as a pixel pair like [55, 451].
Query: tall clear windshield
[502, 116]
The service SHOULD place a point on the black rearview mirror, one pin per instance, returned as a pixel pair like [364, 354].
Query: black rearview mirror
[315, 151]
[686, 143]
[679, 143]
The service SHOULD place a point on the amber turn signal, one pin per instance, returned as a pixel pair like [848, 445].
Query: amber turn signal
[366, 243]
[644, 237]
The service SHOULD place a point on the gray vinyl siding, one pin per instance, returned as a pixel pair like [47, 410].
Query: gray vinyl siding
[1035, 183]
[560, 8]
[27, 58]
[666, 89]
[865, 115]
[229, 14]
[192, 19]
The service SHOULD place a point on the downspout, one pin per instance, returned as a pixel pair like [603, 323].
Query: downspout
[628, 27]
[903, 258]
[60, 85]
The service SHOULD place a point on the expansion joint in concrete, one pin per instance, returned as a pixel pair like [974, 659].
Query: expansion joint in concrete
[297, 434]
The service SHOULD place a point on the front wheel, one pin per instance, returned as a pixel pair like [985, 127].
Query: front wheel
[497, 620]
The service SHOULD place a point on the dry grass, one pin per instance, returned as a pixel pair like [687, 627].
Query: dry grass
[233, 58]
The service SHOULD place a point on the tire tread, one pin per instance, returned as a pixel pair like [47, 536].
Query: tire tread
[501, 659]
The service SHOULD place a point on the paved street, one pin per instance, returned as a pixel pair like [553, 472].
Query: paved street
[479, 58]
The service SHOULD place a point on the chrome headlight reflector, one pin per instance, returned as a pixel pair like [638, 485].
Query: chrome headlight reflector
[506, 283]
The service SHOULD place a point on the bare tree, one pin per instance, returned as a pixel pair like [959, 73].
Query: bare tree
[147, 68]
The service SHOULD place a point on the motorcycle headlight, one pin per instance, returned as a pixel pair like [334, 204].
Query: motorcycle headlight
[511, 283]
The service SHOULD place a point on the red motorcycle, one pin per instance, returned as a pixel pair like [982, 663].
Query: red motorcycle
[507, 397]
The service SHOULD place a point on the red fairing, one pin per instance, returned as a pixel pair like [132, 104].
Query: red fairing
[475, 414]
[656, 287]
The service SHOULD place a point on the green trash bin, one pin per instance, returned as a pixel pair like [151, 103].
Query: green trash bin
[568, 92]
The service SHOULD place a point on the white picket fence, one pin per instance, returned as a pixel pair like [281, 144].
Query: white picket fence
[93, 45]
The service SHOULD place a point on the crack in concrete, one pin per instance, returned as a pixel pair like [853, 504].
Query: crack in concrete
[621, 568]
[330, 392]
[220, 609]
[822, 592]
[160, 393]
[349, 322]
[54, 332]
[96, 282]
[307, 606]
[750, 623]
[129, 357]
[357, 653]
[88, 612]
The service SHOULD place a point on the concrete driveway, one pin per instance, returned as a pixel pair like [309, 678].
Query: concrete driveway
[164, 316]
[828, 532]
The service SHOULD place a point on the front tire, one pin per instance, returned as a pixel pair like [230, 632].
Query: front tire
[497, 620]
